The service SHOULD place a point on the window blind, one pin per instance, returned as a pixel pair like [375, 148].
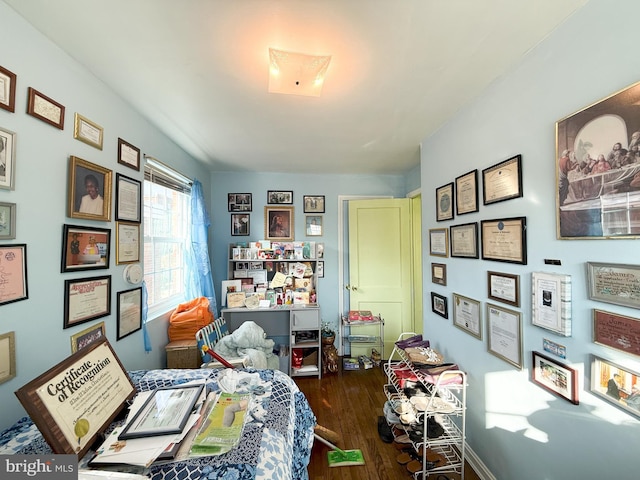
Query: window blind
[157, 172]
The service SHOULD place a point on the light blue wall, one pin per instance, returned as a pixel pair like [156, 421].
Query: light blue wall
[331, 186]
[41, 197]
[519, 430]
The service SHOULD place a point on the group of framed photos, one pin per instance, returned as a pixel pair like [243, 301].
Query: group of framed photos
[89, 197]
[278, 214]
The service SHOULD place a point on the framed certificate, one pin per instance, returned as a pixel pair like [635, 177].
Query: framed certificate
[467, 315]
[72, 415]
[444, 202]
[551, 302]
[128, 199]
[88, 132]
[439, 242]
[614, 283]
[502, 181]
[165, 412]
[439, 273]
[504, 331]
[128, 154]
[129, 312]
[467, 193]
[504, 287]
[7, 356]
[464, 240]
[127, 242]
[13, 266]
[86, 299]
[504, 240]
[617, 331]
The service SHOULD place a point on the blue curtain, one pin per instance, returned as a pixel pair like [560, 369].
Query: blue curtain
[200, 282]
[145, 311]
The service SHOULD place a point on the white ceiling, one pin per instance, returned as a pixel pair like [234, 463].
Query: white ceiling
[198, 69]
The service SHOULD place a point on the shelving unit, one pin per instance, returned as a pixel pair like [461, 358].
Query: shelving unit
[293, 313]
[444, 401]
[353, 335]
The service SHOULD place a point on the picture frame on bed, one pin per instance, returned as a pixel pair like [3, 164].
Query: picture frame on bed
[154, 418]
[70, 427]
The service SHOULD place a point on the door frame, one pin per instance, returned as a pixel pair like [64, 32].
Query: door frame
[343, 204]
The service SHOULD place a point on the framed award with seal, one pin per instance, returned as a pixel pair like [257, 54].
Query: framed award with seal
[444, 202]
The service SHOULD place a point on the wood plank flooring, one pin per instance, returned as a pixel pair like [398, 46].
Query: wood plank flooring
[349, 403]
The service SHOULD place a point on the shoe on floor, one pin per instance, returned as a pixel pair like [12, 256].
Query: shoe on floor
[384, 430]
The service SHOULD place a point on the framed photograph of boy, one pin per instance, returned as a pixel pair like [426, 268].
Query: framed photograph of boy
[313, 203]
[89, 190]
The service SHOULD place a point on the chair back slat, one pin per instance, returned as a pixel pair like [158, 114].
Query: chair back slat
[209, 335]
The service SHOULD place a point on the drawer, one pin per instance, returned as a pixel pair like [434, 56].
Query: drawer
[303, 319]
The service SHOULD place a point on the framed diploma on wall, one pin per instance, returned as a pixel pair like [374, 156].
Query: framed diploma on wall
[504, 240]
[502, 181]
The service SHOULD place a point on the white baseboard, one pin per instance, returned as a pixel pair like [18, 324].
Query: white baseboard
[478, 466]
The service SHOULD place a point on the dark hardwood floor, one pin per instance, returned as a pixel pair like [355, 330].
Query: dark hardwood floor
[349, 403]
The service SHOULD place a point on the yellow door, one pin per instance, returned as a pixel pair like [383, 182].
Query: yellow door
[380, 267]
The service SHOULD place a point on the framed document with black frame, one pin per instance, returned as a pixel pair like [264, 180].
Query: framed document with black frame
[464, 240]
[444, 202]
[505, 240]
[467, 193]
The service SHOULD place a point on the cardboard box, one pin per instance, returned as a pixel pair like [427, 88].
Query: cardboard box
[183, 354]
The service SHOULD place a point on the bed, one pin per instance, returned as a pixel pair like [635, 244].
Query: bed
[275, 444]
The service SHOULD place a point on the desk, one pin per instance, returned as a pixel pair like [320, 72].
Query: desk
[282, 324]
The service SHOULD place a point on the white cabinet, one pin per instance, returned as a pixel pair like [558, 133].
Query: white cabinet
[305, 343]
[440, 411]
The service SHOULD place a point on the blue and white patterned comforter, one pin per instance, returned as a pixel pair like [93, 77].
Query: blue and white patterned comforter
[276, 441]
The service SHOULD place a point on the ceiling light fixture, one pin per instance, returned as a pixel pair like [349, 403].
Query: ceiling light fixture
[293, 73]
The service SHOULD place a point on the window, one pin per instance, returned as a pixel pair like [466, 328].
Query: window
[167, 198]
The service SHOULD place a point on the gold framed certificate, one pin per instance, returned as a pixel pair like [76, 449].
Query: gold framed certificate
[504, 240]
